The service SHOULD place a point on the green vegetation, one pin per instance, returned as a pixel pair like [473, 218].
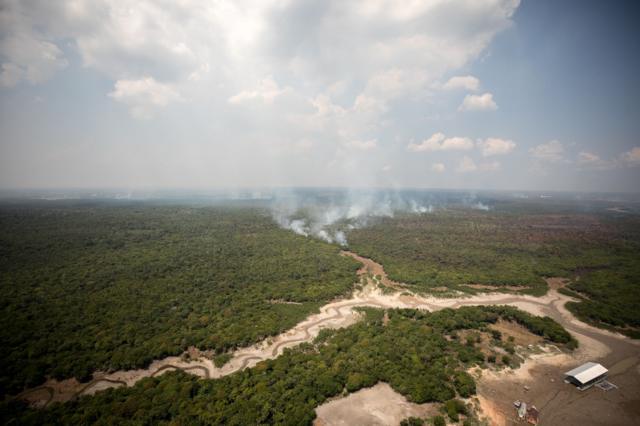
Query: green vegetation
[220, 360]
[412, 421]
[610, 297]
[513, 249]
[439, 421]
[455, 407]
[87, 287]
[414, 352]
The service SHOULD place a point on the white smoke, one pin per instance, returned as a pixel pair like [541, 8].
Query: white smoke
[480, 206]
[418, 208]
[298, 226]
[329, 217]
[341, 238]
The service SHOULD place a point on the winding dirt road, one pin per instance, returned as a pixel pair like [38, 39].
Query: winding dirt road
[595, 344]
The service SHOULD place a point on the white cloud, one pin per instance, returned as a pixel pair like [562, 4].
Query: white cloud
[591, 161]
[456, 143]
[490, 166]
[338, 71]
[482, 102]
[363, 145]
[632, 157]
[439, 142]
[466, 165]
[144, 95]
[267, 91]
[438, 167]
[496, 146]
[552, 151]
[588, 158]
[29, 58]
[467, 82]
[394, 83]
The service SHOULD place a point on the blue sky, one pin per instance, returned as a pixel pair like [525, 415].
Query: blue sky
[482, 94]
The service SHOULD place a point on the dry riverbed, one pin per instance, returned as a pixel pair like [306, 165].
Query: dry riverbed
[540, 373]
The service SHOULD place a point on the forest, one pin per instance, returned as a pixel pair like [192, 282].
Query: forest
[513, 248]
[88, 286]
[92, 286]
[417, 353]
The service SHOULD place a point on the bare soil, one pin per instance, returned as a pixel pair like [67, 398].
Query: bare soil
[377, 405]
[521, 335]
[496, 287]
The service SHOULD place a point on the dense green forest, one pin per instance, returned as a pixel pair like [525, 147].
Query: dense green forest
[418, 353]
[455, 247]
[610, 297]
[87, 287]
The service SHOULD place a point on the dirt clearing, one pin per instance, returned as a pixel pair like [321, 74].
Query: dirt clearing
[377, 405]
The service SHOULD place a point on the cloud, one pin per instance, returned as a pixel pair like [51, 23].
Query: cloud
[631, 158]
[439, 142]
[363, 145]
[266, 92]
[482, 102]
[438, 167]
[143, 96]
[552, 151]
[591, 161]
[271, 72]
[495, 146]
[29, 58]
[490, 166]
[394, 83]
[467, 82]
[466, 165]
[588, 158]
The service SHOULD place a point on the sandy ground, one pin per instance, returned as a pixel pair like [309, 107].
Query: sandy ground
[377, 405]
[542, 373]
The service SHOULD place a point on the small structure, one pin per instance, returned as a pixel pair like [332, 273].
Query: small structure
[587, 375]
[522, 410]
[606, 385]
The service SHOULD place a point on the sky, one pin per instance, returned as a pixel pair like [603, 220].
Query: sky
[469, 94]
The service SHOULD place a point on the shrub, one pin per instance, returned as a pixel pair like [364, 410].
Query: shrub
[439, 421]
[412, 421]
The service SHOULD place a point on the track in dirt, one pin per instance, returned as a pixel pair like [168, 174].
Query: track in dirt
[185, 369]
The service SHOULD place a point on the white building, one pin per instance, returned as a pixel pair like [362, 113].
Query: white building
[587, 375]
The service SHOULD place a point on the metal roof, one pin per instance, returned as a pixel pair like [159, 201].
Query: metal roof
[587, 371]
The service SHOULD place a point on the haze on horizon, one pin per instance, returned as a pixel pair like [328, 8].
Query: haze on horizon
[482, 94]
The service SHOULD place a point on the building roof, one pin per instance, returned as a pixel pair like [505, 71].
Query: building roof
[587, 371]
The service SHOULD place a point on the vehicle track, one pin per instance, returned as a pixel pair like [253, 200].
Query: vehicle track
[95, 382]
[49, 390]
[247, 360]
[185, 369]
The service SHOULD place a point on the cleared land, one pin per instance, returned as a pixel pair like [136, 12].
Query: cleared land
[378, 405]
